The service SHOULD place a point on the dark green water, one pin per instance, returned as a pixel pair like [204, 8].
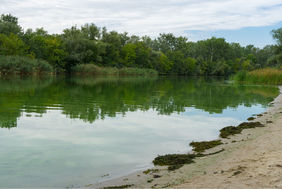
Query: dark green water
[71, 132]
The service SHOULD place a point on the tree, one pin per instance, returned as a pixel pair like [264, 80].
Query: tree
[213, 49]
[277, 35]
[82, 46]
[143, 54]
[168, 43]
[277, 59]
[113, 46]
[12, 45]
[44, 46]
[9, 24]
[128, 55]
[160, 62]
[91, 32]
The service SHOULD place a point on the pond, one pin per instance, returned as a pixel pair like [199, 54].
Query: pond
[59, 132]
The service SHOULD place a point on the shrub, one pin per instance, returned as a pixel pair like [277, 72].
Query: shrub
[23, 65]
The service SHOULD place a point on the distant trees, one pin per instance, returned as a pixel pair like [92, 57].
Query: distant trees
[167, 54]
[277, 57]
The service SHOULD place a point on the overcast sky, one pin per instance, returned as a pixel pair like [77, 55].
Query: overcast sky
[196, 19]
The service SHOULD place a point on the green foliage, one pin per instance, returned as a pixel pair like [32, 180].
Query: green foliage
[167, 54]
[277, 58]
[128, 54]
[12, 45]
[81, 47]
[161, 62]
[240, 76]
[9, 25]
[44, 46]
[23, 65]
[277, 35]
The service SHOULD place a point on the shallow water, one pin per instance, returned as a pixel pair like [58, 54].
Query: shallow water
[72, 132]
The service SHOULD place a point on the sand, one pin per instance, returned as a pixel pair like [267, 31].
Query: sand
[252, 159]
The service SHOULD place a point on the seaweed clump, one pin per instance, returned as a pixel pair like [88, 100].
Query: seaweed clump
[251, 118]
[202, 146]
[119, 187]
[175, 161]
[231, 130]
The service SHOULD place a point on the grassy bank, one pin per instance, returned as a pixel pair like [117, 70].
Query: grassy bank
[91, 69]
[23, 66]
[262, 76]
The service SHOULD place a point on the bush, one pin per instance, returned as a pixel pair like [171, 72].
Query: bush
[240, 76]
[23, 65]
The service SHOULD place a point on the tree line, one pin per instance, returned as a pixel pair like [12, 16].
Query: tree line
[168, 54]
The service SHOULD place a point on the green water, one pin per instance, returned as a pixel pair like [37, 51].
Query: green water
[72, 132]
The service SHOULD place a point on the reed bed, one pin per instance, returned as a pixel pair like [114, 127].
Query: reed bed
[271, 76]
[91, 69]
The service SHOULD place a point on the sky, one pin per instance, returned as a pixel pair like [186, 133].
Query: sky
[243, 21]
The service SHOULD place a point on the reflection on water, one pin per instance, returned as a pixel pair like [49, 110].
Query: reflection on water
[58, 132]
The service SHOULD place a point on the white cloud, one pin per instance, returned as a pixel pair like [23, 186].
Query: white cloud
[145, 17]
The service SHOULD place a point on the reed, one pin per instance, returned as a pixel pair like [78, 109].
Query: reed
[91, 69]
[261, 76]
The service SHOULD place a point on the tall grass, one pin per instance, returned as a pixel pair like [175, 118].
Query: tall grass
[23, 65]
[261, 76]
[91, 69]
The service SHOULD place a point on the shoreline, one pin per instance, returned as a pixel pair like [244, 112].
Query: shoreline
[249, 160]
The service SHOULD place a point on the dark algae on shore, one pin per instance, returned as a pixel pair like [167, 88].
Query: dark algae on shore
[119, 187]
[176, 161]
[202, 146]
[231, 130]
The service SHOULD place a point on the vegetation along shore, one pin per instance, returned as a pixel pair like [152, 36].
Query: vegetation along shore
[90, 49]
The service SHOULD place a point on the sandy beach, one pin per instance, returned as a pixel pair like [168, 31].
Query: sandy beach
[249, 160]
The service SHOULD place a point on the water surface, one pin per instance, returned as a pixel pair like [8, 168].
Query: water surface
[72, 132]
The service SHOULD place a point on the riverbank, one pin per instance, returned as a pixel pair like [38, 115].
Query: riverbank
[251, 159]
